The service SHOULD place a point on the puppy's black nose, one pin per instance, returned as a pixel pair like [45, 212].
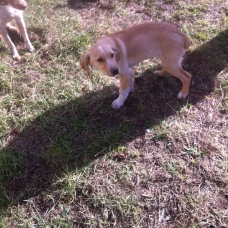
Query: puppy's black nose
[115, 71]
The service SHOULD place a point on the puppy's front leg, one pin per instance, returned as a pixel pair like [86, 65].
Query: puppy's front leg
[126, 86]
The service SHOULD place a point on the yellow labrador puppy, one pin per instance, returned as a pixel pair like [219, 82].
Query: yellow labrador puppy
[116, 53]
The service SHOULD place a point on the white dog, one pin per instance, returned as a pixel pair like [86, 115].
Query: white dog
[7, 14]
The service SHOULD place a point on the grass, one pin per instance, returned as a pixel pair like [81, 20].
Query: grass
[67, 159]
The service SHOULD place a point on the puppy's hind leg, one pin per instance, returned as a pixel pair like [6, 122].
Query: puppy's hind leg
[21, 25]
[185, 78]
[186, 84]
[171, 63]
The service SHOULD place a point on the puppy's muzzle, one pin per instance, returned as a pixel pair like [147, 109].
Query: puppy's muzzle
[114, 71]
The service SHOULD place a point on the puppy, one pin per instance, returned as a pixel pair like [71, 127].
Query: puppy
[115, 54]
[7, 14]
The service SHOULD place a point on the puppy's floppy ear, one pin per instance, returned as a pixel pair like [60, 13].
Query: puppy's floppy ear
[117, 53]
[85, 63]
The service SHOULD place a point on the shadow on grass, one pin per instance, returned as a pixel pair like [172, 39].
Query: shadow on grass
[71, 135]
[76, 4]
[82, 4]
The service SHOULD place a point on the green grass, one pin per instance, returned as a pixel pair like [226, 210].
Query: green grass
[67, 159]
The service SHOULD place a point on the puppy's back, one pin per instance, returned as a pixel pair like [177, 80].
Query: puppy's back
[151, 39]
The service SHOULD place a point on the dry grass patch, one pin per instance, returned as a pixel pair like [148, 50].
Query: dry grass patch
[67, 159]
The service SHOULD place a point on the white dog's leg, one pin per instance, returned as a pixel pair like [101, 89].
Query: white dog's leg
[22, 28]
[9, 43]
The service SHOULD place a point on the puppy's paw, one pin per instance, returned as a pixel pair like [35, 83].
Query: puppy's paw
[17, 57]
[117, 104]
[31, 49]
[181, 95]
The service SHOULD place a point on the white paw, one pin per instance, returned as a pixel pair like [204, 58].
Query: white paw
[17, 57]
[117, 104]
[181, 95]
[31, 49]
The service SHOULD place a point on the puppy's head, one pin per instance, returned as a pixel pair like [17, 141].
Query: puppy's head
[104, 58]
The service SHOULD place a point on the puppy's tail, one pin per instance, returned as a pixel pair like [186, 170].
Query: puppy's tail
[186, 41]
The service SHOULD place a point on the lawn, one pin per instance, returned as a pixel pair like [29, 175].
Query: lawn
[67, 159]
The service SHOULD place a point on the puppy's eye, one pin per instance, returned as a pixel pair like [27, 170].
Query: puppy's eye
[100, 60]
[112, 55]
